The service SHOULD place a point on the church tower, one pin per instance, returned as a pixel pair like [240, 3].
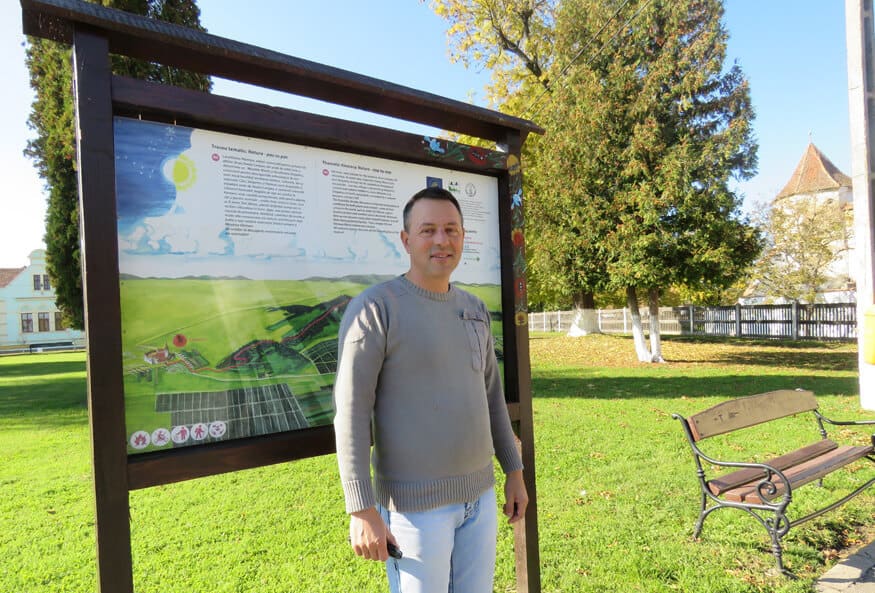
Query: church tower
[817, 178]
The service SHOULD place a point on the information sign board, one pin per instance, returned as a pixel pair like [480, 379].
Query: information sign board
[237, 257]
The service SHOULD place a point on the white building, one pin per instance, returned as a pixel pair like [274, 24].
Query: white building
[817, 179]
[29, 318]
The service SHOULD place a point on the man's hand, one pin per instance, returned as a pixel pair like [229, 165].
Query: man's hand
[515, 496]
[369, 535]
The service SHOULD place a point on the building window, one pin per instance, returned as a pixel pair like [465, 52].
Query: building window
[43, 319]
[37, 285]
[59, 321]
[46, 284]
[27, 323]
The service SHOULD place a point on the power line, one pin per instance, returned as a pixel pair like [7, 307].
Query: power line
[585, 47]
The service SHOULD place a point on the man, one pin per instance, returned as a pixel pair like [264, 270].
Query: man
[417, 370]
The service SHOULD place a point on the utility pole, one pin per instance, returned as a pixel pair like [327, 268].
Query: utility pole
[861, 77]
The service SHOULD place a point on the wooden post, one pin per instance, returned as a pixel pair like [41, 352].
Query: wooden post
[794, 320]
[737, 320]
[97, 208]
[518, 384]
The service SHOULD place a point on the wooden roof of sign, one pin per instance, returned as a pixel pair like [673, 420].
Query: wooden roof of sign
[173, 45]
[814, 174]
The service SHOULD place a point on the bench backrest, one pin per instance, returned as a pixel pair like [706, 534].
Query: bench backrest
[748, 411]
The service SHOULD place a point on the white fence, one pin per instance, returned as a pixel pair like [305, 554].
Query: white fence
[822, 321]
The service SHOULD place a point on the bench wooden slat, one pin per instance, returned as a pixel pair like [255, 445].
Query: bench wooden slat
[748, 411]
[740, 477]
[803, 473]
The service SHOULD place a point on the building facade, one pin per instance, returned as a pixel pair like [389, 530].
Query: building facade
[29, 318]
[816, 178]
[819, 185]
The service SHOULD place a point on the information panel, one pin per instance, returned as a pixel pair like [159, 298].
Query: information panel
[237, 258]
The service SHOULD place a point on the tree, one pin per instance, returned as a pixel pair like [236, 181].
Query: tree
[53, 149]
[511, 38]
[645, 129]
[569, 203]
[681, 131]
[514, 38]
[805, 237]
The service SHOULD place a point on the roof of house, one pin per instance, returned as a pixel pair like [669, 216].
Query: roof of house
[814, 173]
[7, 275]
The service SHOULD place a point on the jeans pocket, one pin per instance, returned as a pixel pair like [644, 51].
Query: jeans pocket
[477, 328]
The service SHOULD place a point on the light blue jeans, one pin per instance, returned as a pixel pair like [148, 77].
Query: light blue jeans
[450, 549]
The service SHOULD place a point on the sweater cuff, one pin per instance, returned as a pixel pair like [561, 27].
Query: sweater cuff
[359, 495]
[509, 459]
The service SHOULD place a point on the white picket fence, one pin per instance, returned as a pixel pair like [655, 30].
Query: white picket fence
[822, 321]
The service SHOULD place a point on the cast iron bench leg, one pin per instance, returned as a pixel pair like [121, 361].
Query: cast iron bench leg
[778, 528]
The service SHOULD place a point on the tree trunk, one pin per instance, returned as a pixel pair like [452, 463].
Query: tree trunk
[637, 329]
[655, 336]
[586, 320]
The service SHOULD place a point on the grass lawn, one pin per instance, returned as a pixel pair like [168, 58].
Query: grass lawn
[617, 495]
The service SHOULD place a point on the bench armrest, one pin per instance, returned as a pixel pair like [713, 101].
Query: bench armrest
[699, 456]
[773, 480]
[821, 419]
[844, 422]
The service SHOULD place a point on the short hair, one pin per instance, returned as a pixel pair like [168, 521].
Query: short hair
[430, 193]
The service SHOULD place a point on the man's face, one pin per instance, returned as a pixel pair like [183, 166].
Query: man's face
[434, 241]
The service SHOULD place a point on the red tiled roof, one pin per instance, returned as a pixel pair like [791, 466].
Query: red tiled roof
[814, 173]
[7, 275]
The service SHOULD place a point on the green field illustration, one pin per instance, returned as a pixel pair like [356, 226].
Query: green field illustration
[212, 359]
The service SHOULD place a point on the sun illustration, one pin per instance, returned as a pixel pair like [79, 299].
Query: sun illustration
[180, 171]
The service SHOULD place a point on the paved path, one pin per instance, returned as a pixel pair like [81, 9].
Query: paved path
[855, 574]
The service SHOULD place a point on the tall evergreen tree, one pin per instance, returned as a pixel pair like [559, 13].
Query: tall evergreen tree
[53, 149]
[630, 187]
[676, 129]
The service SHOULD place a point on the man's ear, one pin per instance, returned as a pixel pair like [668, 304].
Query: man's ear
[404, 238]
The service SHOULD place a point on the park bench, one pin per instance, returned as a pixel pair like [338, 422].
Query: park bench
[765, 490]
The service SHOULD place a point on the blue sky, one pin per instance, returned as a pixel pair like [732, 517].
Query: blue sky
[793, 52]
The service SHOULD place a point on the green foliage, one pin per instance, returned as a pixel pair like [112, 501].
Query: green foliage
[645, 129]
[512, 38]
[805, 237]
[53, 149]
[645, 132]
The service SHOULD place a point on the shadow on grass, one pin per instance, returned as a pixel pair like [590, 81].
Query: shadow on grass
[57, 402]
[32, 366]
[826, 356]
[808, 355]
[561, 385]
[748, 342]
[813, 361]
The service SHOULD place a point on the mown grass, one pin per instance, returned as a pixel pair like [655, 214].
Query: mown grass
[616, 490]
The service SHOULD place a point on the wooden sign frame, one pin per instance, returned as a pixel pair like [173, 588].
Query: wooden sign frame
[95, 32]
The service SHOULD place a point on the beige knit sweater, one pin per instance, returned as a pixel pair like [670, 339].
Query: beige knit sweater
[419, 369]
